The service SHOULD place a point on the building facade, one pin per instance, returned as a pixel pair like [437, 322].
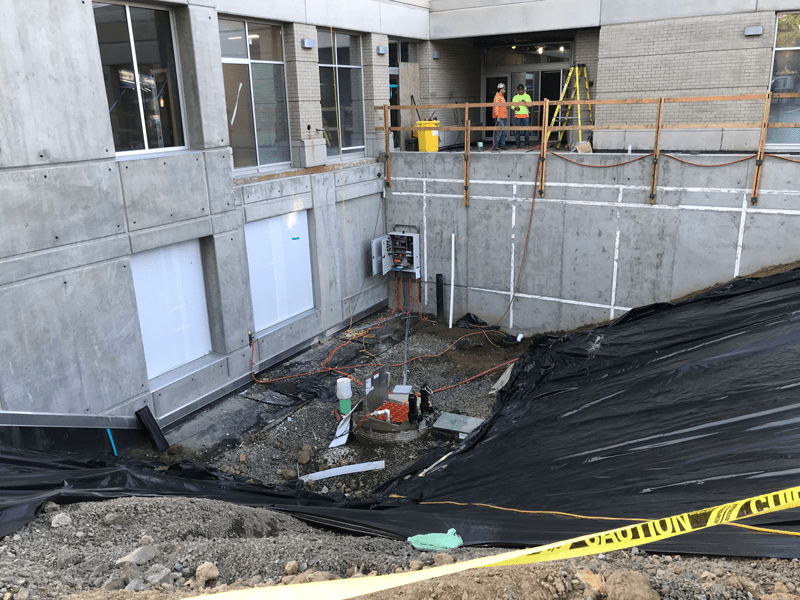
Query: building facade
[178, 178]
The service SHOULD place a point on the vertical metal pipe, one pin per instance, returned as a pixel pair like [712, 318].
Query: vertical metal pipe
[439, 297]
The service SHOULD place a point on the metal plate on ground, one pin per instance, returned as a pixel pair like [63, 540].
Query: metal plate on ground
[458, 426]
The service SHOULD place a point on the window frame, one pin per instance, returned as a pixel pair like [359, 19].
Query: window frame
[349, 150]
[259, 168]
[178, 75]
[780, 146]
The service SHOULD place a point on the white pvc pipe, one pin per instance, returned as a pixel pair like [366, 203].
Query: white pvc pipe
[452, 274]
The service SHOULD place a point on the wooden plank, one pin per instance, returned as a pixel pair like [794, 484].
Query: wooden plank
[466, 163]
[761, 142]
[543, 147]
[656, 150]
[388, 149]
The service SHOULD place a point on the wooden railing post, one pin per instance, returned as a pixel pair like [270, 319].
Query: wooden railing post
[386, 144]
[543, 146]
[761, 142]
[656, 151]
[466, 160]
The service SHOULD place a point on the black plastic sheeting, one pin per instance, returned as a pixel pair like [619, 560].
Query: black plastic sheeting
[670, 408]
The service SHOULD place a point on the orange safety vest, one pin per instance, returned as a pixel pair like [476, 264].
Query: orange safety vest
[499, 112]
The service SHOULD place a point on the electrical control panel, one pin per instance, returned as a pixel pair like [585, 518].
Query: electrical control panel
[397, 251]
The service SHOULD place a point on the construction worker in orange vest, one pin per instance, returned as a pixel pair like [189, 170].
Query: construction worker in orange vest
[500, 115]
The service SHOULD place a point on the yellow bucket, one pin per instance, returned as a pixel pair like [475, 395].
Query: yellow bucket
[428, 140]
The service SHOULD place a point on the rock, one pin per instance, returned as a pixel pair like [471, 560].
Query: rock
[61, 520]
[292, 567]
[51, 507]
[303, 456]
[324, 489]
[312, 575]
[22, 594]
[415, 565]
[114, 583]
[595, 584]
[629, 585]
[288, 474]
[137, 585]
[242, 458]
[145, 540]
[158, 574]
[740, 582]
[175, 450]
[140, 556]
[781, 592]
[113, 518]
[206, 572]
[443, 558]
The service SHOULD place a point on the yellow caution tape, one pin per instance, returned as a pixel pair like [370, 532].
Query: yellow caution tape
[660, 529]
[607, 541]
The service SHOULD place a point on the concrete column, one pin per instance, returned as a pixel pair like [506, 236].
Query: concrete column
[376, 89]
[302, 79]
[201, 69]
[227, 290]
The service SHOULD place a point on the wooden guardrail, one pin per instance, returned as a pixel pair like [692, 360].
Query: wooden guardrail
[546, 129]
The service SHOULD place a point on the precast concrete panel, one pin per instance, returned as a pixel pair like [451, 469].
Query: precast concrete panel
[277, 188]
[72, 342]
[364, 221]
[631, 11]
[358, 15]
[164, 190]
[488, 245]
[45, 208]
[219, 172]
[510, 16]
[542, 271]
[706, 250]
[770, 240]
[288, 12]
[589, 240]
[648, 238]
[404, 21]
[53, 100]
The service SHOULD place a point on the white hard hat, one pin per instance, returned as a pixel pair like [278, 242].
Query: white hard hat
[501, 86]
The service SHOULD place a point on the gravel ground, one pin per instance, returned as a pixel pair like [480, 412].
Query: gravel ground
[170, 548]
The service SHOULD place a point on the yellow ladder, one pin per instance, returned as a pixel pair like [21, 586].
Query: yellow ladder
[579, 72]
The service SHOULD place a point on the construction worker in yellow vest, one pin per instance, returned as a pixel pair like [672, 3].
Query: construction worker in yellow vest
[522, 116]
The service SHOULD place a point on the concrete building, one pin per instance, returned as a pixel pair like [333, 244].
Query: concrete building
[179, 175]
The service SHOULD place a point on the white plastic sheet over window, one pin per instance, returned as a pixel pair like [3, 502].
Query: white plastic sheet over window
[279, 259]
[171, 298]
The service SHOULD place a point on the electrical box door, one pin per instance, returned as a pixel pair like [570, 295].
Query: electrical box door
[381, 255]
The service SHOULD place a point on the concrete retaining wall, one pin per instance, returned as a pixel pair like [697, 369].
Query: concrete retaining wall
[596, 247]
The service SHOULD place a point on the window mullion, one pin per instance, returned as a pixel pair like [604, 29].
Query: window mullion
[136, 74]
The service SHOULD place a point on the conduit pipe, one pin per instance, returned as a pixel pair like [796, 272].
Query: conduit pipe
[452, 274]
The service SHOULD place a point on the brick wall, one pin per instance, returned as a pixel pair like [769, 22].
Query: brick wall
[703, 56]
[376, 78]
[453, 78]
[302, 79]
[586, 51]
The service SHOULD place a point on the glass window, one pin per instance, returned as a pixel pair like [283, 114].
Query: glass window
[785, 80]
[255, 93]
[171, 301]
[341, 87]
[140, 75]
[279, 262]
